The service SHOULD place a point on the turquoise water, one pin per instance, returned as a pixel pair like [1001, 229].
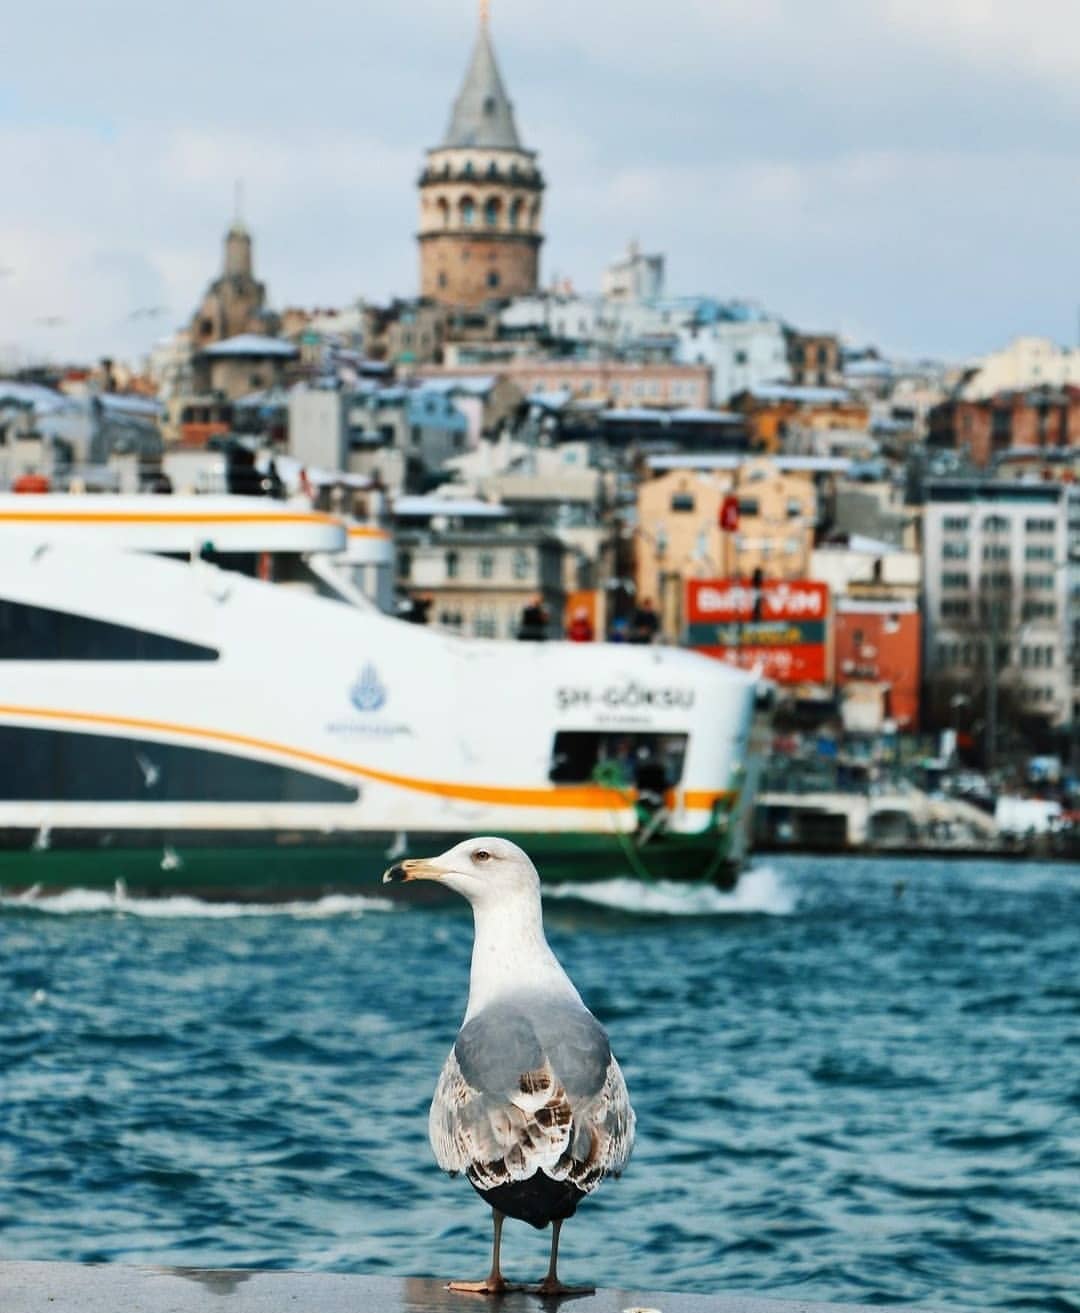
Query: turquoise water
[854, 1080]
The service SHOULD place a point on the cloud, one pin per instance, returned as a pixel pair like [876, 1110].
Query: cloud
[908, 164]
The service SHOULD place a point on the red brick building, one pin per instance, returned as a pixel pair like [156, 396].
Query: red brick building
[1043, 419]
[879, 642]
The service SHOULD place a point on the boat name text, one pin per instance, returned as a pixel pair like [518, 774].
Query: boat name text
[630, 696]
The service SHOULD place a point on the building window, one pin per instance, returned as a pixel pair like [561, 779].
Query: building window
[995, 552]
[749, 507]
[493, 278]
[956, 608]
[955, 551]
[995, 524]
[682, 501]
[487, 565]
[956, 524]
[957, 579]
[1039, 526]
[450, 619]
[484, 625]
[442, 280]
[1039, 553]
[521, 564]
[453, 565]
[404, 561]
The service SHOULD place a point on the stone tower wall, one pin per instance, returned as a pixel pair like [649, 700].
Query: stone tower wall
[480, 225]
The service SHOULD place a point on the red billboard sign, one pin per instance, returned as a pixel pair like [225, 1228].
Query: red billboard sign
[779, 627]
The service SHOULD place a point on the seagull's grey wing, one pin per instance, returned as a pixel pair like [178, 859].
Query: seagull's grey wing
[531, 1087]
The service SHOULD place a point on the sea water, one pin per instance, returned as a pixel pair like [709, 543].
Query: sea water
[855, 1080]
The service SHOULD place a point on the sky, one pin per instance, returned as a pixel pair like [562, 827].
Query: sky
[901, 171]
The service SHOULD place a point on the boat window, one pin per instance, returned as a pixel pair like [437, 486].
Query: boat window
[37, 633]
[46, 765]
[644, 761]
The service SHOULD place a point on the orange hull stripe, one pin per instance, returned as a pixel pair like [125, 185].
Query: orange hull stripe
[704, 801]
[365, 531]
[584, 797]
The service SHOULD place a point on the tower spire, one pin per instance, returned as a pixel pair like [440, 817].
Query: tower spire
[485, 12]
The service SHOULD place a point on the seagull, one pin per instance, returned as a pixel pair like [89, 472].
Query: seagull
[151, 771]
[531, 1104]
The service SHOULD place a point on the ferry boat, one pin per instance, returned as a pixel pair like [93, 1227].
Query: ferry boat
[198, 695]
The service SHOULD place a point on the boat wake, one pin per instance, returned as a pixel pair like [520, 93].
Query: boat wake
[760, 891]
[81, 902]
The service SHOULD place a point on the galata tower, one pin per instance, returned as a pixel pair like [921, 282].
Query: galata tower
[480, 195]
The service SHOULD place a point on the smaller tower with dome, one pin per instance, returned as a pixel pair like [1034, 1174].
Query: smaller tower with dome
[235, 302]
[480, 195]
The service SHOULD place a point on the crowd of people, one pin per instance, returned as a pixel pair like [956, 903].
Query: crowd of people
[641, 625]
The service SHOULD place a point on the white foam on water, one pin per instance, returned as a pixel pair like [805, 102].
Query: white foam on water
[760, 890]
[81, 902]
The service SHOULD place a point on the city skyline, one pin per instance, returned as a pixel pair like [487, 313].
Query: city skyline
[904, 177]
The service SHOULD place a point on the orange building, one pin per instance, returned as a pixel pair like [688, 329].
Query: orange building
[775, 409]
[877, 649]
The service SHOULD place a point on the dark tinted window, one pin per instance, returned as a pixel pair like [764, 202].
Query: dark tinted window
[35, 633]
[41, 765]
[630, 760]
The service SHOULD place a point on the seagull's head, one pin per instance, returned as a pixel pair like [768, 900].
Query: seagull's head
[478, 869]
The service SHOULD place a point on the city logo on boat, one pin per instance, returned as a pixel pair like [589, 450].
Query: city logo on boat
[368, 693]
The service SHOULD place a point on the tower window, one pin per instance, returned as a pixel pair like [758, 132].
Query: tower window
[468, 212]
[515, 214]
[442, 280]
[491, 212]
[493, 279]
[489, 105]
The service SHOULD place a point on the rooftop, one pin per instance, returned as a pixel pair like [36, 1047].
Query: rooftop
[426, 507]
[806, 396]
[252, 344]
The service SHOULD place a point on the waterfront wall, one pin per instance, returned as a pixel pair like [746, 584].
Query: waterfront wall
[110, 1288]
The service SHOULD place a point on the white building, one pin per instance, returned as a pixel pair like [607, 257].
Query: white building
[743, 346]
[1002, 584]
[634, 277]
[1027, 362]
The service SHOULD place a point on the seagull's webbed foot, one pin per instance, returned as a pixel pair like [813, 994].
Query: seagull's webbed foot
[492, 1286]
[555, 1289]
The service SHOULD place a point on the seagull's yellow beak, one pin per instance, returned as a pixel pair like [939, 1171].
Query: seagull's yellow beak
[413, 869]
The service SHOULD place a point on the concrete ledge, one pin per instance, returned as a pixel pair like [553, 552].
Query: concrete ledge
[110, 1288]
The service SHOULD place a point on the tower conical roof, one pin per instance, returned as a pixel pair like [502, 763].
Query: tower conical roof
[483, 115]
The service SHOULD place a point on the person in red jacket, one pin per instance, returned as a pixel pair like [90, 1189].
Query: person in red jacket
[580, 629]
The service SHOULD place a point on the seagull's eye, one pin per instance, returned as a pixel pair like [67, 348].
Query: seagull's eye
[481, 855]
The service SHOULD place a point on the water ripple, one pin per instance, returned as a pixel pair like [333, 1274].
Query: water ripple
[842, 1094]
